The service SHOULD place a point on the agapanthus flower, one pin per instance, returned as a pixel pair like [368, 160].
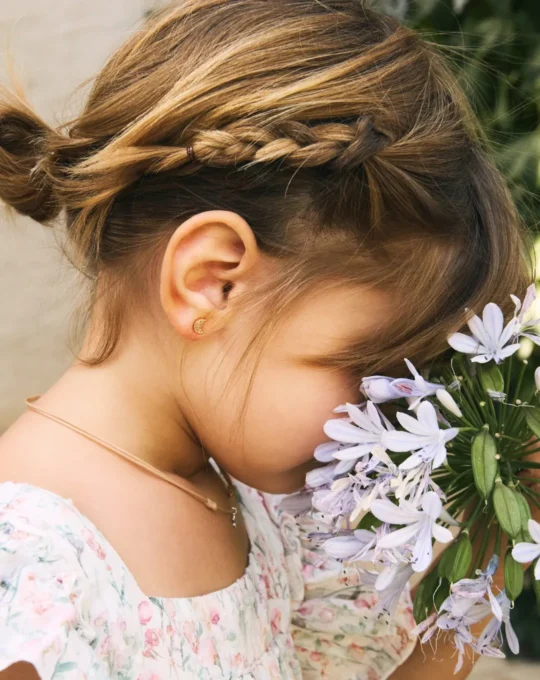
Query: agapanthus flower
[456, 616]
[423, 436]
[490, 338]
[363, 429]
[390, 595]
[477, 588]
[421, 526]
[527, 552]
[526, 329]
[380, 388]
[492, 632]
[354, 547]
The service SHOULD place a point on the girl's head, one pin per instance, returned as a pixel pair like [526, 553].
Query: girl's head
[307, 177]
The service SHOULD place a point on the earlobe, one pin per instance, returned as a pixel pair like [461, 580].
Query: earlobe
[207, 256]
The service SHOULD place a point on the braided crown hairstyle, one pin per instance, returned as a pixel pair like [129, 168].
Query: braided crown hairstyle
[338, 134]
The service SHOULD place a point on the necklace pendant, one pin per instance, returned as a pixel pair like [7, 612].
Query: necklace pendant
[234, 512]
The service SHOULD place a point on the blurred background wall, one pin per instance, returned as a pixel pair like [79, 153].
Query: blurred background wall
[55, 46]
[58, 44]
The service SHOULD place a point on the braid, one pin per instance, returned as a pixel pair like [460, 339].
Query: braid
[335, 144]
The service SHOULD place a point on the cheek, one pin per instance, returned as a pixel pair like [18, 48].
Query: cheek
[288, 410]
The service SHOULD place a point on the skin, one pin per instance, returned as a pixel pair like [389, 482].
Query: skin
[174, 419]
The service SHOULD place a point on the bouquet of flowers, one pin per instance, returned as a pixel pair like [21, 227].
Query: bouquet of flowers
[454, 454]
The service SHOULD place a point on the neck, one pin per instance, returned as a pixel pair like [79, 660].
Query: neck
[126, 402]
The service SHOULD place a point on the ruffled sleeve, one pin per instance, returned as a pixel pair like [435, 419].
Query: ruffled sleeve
[43, 591]
[336, 628]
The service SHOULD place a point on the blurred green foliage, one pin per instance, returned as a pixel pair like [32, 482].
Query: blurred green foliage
[495, 46]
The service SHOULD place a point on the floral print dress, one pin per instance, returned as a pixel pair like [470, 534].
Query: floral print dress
[70, 606]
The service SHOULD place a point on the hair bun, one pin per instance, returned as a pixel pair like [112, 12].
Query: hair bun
[25, 169]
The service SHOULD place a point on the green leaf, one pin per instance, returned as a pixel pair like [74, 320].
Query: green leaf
[491, 377]
[463, 559]
[423, 599]
[441, 593]
[525, 514]
[368, 520]
[484, 462]
[507, 510]
[513, 577]
[532, 416]
[446, 563]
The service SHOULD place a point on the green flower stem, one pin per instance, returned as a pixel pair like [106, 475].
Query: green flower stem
[498, 540]
[507, 388]
[531, 494]
[519, 381]
[524, 464]
[477, 510]
[505, 436]
[480, 556]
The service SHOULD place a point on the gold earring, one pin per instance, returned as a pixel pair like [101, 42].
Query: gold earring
[197, 325]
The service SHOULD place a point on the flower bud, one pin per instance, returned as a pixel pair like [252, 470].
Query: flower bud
[537, 378]
[449, 402]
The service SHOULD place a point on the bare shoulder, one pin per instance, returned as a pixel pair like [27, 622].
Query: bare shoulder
[168, 540]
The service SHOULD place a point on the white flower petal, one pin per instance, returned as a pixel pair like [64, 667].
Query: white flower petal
[464, 343]
[353, 452]
[423, 549]
[493, 320]
[412, 462]
[511, 637]
[481, 358]
[478, 330]
[374, 416]
[324, 452]
[432, 505]
[441, 534]
[400, 441]
[512, 349]
[537, 571]
[392, 514]
[534, 530]
[343, 431]
[495, 606]
[525, 552]
[361, 419]
[342, 547]
[427, 416]
[412, 424]
[439, 457]
[399, 537]
[344, 466]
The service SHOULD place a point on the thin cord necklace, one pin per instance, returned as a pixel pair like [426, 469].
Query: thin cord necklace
[231, 489]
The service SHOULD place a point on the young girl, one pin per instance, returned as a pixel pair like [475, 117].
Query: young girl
[271, 198]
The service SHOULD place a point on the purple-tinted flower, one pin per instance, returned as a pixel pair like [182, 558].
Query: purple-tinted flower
[362, 430]
[380, 388]
[421, 526]
[492, 632]
[489, 338]
[423, 436]
[477, 588]
[352, 548]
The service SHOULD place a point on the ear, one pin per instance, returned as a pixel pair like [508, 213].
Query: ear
[206, 257]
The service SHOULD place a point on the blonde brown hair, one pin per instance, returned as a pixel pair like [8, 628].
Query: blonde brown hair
[338, 134]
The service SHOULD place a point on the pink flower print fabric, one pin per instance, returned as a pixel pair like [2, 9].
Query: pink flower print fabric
[70, 606]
